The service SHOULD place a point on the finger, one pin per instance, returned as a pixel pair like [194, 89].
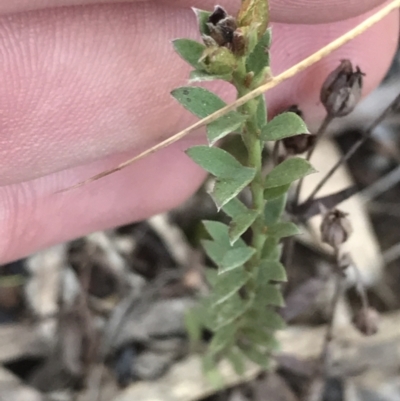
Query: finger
[292, 11]
[75, 90]
[29, 221]
[33, 215]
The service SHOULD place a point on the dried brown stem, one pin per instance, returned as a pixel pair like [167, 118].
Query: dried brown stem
[355, 147]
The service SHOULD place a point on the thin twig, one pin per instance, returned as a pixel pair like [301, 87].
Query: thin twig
[391, 254]
[329, 330]
[355, 147]
[296, 200]
[320, 133]
[382, 185]
[316, 390]
[289, 73]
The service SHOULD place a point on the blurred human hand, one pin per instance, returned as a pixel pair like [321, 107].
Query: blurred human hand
[86, 85]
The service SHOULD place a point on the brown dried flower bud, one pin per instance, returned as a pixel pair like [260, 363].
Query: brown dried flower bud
[222, 27]
[341, 90]
[298, 144]
[335, 228]
[367, 321]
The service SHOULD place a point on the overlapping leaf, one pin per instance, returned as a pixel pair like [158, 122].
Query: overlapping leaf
[235, 258]
[259, 57]
[272, 270]
[273, 210]
[282, 126]
[201, 102]
[190, 50]
[229, 284]
[288, 171]
[228, 312]
[232, 177]
[275, 192]
[242, 218]
[283, 229]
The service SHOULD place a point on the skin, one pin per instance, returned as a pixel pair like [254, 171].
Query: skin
[86, 85]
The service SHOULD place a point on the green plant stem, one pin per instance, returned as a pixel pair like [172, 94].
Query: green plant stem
[254, 149]
[253, 143]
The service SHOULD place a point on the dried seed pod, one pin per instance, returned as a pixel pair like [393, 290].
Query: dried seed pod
[298, 144]
[222, 27]
[341, 90]
[335, 228]
[366, 321]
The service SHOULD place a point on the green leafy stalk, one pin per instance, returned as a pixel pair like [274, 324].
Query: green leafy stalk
[241, 308]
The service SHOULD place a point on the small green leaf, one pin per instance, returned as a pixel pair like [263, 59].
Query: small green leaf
[202, 18]
[272, 270]
[229, 284]
[193, 323]
[189, 50]
[201, 76]
[271, 248]
[256, 335]
[242, 218]
[266, 318]
[222, 340]
[211, 276]
[214, 250]
[217, 230]
[276, 192]
[259, 57]
[235, 357]
[218, 248]
[282, 126]
[212, 372]
[220, 233]
[273, 210]
[232, 177]
[226, 189]
[257, 355]
[261, 115]
[288, 171]
[235, 258]
[199, 101]
[226, 124]
[219, 163]
[228, 312]
[283, 229]
[274, 320]
[270, 294]
[207, 313]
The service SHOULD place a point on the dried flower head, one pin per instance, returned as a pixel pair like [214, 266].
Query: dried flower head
[335, 228]
[341, 90]
[367, 321]
[222, 27]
